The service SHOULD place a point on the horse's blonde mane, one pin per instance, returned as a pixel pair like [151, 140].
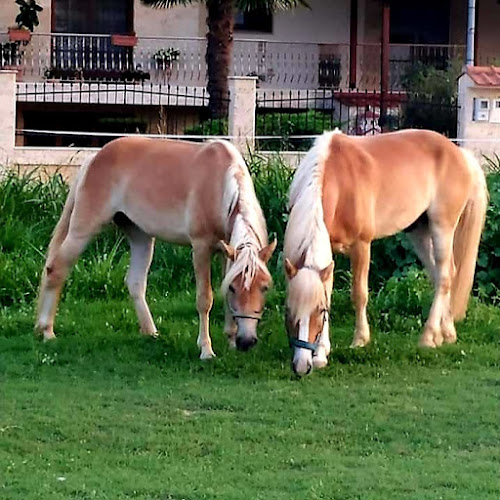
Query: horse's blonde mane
[248, 233]
[306, 236]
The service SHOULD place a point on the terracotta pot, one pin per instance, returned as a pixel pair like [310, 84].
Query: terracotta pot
[19, 35]
[124, 40]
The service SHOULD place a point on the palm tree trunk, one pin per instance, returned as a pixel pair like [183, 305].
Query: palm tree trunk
[220, 22]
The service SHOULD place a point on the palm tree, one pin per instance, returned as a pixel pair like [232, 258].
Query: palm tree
[220, 22]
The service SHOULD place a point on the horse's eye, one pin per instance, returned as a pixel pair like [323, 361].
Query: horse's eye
[264, 289]
[231, 289]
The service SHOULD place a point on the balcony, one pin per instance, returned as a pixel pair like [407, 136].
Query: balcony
[277, 65]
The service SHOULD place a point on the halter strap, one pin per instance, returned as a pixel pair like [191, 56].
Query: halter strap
[302, 344]
[237, 314]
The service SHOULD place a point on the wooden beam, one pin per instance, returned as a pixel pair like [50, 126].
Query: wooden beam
[353, 56]
[384, 63]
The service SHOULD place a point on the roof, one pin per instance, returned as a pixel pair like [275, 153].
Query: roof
[484, 76]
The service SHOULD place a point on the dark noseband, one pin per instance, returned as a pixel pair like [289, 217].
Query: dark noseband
[302, 344]
[238, 315]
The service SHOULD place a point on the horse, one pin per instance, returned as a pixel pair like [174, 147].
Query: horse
[349, 191]
[182, 192]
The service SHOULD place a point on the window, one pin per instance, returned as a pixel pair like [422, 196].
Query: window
[92, 16]
[256, 20]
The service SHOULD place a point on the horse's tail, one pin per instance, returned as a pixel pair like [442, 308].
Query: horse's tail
[467, 237]
[62, 226]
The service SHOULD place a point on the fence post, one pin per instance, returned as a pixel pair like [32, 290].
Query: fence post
[8, 114]
[242, 108]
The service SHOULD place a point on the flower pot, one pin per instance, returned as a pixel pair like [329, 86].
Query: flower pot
[19, 35]
[124, 40]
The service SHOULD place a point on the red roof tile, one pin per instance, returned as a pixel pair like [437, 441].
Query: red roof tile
[484, 76]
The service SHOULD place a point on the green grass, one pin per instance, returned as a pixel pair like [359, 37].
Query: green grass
[104, 413]
[107, 414]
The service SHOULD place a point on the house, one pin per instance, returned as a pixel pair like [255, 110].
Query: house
[97, 64]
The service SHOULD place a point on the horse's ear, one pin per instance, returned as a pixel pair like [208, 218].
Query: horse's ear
[325, 273]
[266, 253]
[228, 251]
[290, 269]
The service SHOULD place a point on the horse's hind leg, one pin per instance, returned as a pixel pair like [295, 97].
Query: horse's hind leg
[360, 264]
[57, 267]
[422, 243]
[141, 254]
[439, 325]
[82, 218]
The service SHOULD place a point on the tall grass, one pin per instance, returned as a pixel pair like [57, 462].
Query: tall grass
[30, 208]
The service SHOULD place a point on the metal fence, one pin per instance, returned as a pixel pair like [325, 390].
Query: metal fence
[289, 121]
[69, 113]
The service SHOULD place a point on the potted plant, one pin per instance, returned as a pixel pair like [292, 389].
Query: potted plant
[26, 21]
[165, 57]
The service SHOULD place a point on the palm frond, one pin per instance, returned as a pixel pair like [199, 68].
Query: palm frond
[166, 4]
[270, 5]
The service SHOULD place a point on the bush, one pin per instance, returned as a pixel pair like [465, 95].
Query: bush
[432, 100]
[280, 124]
[488, 264]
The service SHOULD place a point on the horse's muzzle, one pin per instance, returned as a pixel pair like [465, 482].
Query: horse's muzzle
[301, 369]
[245, 343]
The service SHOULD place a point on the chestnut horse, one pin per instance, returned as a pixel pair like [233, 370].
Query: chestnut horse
[181, 192]
[349, 191]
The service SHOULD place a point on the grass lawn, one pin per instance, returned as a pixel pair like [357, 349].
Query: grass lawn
[104, 413]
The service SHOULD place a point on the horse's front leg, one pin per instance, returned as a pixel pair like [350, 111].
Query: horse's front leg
[320, 358]
[230, 326]
[202, 254]
[360, 265]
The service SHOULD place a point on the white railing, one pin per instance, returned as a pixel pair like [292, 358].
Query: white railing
[277, 65]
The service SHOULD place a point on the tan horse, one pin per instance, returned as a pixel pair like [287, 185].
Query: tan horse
[349, 191]
[181, 192]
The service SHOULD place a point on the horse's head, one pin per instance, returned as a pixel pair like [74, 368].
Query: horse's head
[245, 285]
[308, 304]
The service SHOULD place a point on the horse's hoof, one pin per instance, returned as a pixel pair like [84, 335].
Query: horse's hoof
[359, 343]
[427, 343]
[153, 335]
[208, 354]
[48, 336]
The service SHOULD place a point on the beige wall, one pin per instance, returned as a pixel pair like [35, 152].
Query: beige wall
[179, 21]
[480, 137]
[9, 11]
[326, 22]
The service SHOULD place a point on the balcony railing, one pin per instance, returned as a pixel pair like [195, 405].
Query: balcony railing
[277, 65]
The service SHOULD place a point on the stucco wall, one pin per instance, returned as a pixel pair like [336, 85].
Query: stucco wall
[481, 137]
[179, 21]
[326, 22]
[9, 11]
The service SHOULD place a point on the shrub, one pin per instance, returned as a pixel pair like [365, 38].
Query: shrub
[280, 124]
[432, 102]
